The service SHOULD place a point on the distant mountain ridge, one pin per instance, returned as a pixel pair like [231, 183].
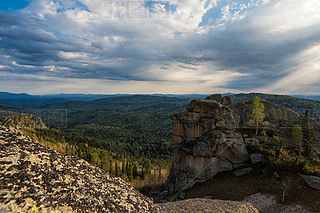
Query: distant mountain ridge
[26, 100]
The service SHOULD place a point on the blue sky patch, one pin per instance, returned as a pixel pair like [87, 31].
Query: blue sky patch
[7, 5]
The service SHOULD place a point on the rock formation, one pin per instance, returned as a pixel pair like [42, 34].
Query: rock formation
[279, 122]
[205, 142]
[38, 179]
[213, 135]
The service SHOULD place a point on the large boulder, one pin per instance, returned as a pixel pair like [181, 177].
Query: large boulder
[263, 202]
[208, 107]
[215, 97]
[205, 143]
[312, 181]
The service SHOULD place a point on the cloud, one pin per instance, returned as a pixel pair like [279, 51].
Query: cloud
[249, 45]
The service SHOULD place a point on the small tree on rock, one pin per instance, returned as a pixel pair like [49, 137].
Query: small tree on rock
[257, 116]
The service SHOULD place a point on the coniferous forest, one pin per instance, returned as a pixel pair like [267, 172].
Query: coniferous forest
[128, 136]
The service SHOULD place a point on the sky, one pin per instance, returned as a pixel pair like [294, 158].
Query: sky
[169, 47]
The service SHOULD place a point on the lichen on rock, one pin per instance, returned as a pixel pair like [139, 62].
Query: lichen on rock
[36, 177]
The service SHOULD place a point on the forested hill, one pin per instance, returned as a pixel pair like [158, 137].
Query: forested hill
[137, 125]
[5, 106]
[140, 125]
[298, 105]
[125, 103]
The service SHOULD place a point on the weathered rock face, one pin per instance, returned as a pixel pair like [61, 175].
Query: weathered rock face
[212, 136]
[273, 112]
[205, 142]
[36, 177]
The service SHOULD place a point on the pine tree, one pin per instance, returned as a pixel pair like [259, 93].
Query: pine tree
[142, 172]
[147, 165]
[130, 172]
[123, 169]
[135, 172]
[116, 172]
[298, 139]
[110, 169]
[159, 176]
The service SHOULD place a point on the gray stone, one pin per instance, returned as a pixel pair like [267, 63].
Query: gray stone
[256, 158]
[182, 195]
[263, 202]
[312, 181]
[242, 172]
[252, 141]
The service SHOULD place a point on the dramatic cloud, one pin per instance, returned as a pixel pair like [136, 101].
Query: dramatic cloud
[185, 46]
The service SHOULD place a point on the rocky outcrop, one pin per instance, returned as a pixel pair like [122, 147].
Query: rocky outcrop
[207, 205]
[205, 142]
[38, 179]
[280, 122]
[213, 136]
